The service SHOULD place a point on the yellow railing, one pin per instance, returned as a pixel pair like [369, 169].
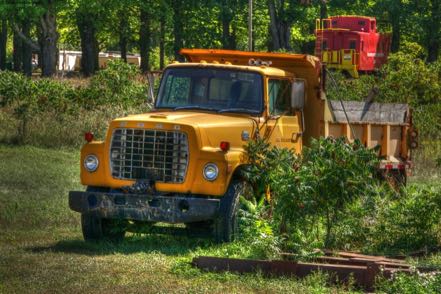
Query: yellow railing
[344, 59]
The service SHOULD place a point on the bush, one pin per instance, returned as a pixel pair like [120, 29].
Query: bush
[403, 283]
[329, 197]
[311, 193]
[55, 113]
[408, 222]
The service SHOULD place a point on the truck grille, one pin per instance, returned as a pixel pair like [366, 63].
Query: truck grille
[149, 154]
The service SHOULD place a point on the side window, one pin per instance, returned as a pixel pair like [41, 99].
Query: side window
[325, 44]
[279, 92]
[177, 90]
[352, 44]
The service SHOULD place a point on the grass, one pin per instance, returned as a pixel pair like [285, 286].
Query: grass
[42, 250]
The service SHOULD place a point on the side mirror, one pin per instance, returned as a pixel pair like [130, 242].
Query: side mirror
[298, 94]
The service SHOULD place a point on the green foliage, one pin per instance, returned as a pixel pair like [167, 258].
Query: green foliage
[117, 84]
[311, 193]
[53, 112]
[403, 283]
[407, 222]
[329, 197]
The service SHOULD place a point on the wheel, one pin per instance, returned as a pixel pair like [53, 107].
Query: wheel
[96, 228]
[396, 178]
[226, 226]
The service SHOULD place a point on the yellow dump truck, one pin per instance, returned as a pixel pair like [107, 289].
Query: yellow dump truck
[182, 161]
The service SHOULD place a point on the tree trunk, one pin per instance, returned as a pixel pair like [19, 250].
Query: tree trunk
[162, 42]
[396, 29]
[144, 39]
[89, 44]
[233, 37]
[280, 29]
[178, 28]
[323, 9]
[226, 18]
[48, 41]
[3, 41]
[17, 54]
[26, 50]
[275, 42]
[434, 32]
[123, 34]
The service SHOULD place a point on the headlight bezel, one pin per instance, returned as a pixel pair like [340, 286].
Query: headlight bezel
[87, 161]
[214, 168]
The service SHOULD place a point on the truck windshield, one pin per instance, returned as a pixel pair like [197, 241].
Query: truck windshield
[212, 89]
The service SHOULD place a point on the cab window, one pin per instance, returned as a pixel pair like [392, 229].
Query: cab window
[279, 92]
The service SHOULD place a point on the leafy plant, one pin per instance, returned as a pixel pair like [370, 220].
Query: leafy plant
[312, 193]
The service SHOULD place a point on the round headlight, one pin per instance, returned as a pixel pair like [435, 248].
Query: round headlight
[210, 172]
[91, 163]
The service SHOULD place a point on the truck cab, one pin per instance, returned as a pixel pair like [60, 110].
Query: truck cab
[182, 161]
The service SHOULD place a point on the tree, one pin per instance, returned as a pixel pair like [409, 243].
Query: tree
[86, 14]
[282, 15]
[228, 10]
[178, 27]
[17, 55]
[280, 26]
[396, 11]
[431, 12]
[48, 39]
[145, 35]
[3, 41]
[26, 50]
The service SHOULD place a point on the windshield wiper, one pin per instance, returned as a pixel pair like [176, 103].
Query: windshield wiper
[194, 107]
[239, 110]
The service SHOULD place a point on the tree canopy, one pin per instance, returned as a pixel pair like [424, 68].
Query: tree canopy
[157, 29]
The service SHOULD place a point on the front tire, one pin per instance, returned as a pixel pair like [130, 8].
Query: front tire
[226, 226]
[96, 228]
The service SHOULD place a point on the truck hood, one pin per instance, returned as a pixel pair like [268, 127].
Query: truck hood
[213, 128]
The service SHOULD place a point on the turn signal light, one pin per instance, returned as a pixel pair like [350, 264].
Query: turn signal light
[224, 146]
[88, 137]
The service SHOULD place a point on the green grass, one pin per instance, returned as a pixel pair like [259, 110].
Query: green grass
[42, 251]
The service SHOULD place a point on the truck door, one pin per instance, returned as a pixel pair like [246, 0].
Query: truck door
[284, 125]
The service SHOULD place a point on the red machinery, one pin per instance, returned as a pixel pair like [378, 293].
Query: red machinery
[351, 43]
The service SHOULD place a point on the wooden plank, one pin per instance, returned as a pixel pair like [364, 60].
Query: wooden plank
[367, 136]
[346, 131]
[385, 144]
[405, 154]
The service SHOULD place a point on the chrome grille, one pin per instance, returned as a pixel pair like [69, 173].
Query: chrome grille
[149, 154]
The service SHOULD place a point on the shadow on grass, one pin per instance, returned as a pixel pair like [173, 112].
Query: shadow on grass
[166, 244]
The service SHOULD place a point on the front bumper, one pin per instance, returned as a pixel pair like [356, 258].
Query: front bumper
[169, 209]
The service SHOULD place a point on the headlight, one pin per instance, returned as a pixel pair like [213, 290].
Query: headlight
[91, 163]
[210, 172]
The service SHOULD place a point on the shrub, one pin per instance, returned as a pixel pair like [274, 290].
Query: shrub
[117, 83]
[408, 222]
[403, 283]
[54, 113]
[311, 193]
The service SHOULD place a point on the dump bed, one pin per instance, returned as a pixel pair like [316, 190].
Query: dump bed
[384, 124]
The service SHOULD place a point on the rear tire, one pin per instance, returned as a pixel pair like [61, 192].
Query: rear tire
[226, 226]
